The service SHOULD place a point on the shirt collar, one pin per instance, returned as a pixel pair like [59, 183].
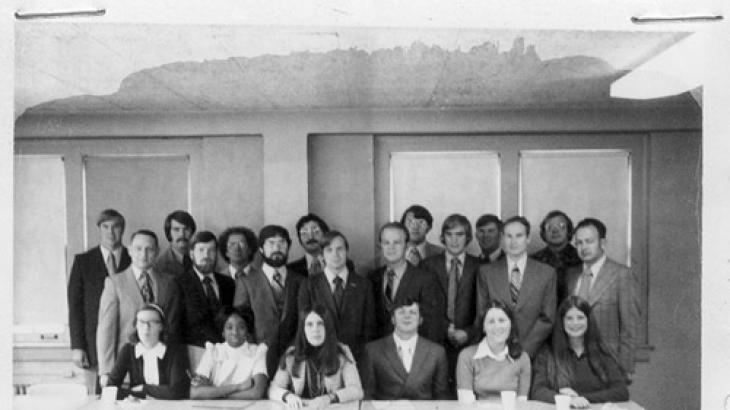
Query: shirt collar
[422, 249]
[461, 257]
[495, 255]
[309, 258]
[137, 273]
[158, 351]
[201, 276]
[331, 275]
[269, 272]
[483, 351]
[116, 252]
[521, 262]
[596, 267]
[409, 344]
[399, 270]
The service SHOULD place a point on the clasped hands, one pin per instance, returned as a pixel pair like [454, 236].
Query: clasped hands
[577, 401]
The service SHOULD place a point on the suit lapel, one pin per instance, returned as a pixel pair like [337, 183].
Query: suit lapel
[606, 276]
[391, 354]
[131, 287]
[351, 291]
[322, 287]
[99, 267]
[405, 282]
[499, 278]
[470, 265]
[441, 273]
[419, 359]
[529, 284]
[262, 284]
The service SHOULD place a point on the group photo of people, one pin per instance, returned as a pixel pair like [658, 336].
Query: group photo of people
[228, 315]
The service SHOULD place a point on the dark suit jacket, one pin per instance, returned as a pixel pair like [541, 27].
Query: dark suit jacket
[118, 306]
[198, 319]
[166, 262]
[535, 309]
[355, 319]
[566, 259]
[85, 285]
[417, 284]
[171, 370]
[614, 300]
[300, 266]
[385, 378]
[276, 328]
[466, 296]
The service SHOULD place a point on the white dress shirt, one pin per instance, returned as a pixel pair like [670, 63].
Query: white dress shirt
[331, 277]
[270, 271]
[520, 263]
[406, 349]
[116, 252]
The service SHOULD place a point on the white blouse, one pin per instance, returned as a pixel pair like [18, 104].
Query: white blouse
[226, 365]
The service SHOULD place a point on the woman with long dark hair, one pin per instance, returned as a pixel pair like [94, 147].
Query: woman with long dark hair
[495, 364]
[578, 364]
[317, 370]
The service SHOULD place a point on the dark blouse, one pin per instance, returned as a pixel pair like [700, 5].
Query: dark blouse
[585, 381]
[172, 368]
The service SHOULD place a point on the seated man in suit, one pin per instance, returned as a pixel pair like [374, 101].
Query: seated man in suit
[85, 285]
[399, 280]
[347, 295]
[402, 365]
[267, 296]
[556, 230]
[128, 291]
[238, 246]
[418, 221]
[522, 283]
[204, 293]
[489, 235]
[456, 272]
[179, 227]
[610, 288]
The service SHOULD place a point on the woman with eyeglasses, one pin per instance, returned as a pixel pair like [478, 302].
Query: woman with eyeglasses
[578, 364]
[318, 370]
[154, 368]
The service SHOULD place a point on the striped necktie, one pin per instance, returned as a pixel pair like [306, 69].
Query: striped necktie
[515, 282]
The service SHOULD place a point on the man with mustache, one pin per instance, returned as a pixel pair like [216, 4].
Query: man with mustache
[179, 227]
[556, 230]
[204, 292]
[310, 229]
[267, 296]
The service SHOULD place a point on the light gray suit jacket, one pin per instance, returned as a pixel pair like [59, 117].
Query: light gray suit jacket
[614, 300]
[118, 306]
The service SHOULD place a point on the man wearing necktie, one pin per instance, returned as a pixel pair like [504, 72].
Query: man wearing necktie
[179, 227]
[127, 291]
[418, 220]
[399, 279]
[456, 272]
[610, 288]
[488, 231]
[204, 294]
[267, 296]
[347, 295]
[526, 285]
[238, 246]
[85, 286]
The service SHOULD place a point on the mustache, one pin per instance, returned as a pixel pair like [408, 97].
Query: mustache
[312, 241]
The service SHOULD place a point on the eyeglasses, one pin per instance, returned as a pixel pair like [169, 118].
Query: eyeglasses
[310, 232]
[236, 245]
[560, 226]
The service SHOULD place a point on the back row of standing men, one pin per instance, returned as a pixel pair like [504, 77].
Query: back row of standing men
[106, 286]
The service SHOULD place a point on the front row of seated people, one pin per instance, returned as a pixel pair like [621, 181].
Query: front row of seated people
[318, 370]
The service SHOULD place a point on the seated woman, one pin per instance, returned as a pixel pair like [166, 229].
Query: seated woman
[155, 369]
[578, 364]
[317, 370]
[495, 364]
[234, 369]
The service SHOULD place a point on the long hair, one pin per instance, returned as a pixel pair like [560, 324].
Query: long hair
[324, 357]
[603, 363]
[514, 348]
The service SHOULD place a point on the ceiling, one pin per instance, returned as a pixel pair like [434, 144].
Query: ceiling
[127, 68]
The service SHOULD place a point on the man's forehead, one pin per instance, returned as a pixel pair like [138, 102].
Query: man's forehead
[275, 238]
[113, 220]
[209, 244]
[398, 231]
[515, 227]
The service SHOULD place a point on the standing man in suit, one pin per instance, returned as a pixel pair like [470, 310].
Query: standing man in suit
[347, 295]
[402, 365]
[399, 280]
[204, 292]
[611, 289]
[267, 296]
[418, 220]
[126, 292]
[85, 285]
[179, 227]
[456, 272]
[238, 245]
[556, 230]
[310, 229]
[526, 285]
[489, 236]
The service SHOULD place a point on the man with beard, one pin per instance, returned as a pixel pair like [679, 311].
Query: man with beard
[556, 230]
[310, 229]
[204, 292]
[179, 227]
[267, 296]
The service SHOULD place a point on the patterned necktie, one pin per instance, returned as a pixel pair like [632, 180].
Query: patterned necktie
[453, 285]
[278, 289]
[515, 282]
[146, 287]
[213, 301]
[413, 256]
[111, 264]
[339, 290]
[585, 284]
[389, 285]
[315, 267]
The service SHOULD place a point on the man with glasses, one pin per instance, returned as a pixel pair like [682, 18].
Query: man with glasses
[556, 230]
[310, 230]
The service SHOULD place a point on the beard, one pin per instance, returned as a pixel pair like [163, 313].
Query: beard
[276, 259]
[205, 266]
